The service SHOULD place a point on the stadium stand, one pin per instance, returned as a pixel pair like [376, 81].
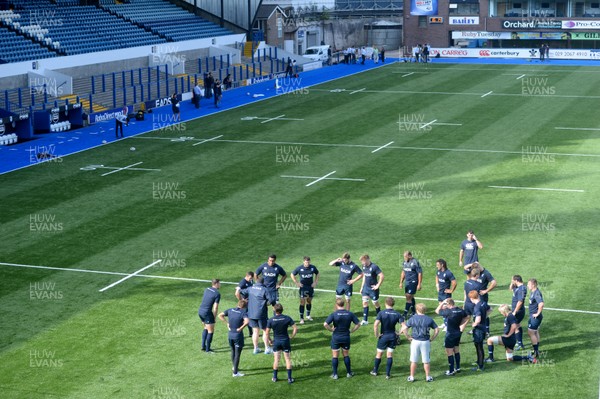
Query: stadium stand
[17, 48]
[143, 13]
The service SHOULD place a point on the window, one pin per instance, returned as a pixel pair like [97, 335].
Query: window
[464, 9]
[422, 21]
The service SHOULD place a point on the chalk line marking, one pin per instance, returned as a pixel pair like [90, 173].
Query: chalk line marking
[382, 147]
[197, 280]
[487, 94]
[207, 140]
[130, 275]
[123, 168]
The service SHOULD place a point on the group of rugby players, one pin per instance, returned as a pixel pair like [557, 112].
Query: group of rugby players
[260, 289]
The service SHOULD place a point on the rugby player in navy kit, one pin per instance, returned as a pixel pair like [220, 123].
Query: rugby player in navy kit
[480, 312]
[345, 281]
[445, 283]
[241, 291]
[469, 251]
[281, 340]
[412, 277]
[369, 289]
[456, 320]
[508, 340]
[488, 283]
[270, 271]
[519, 291]
[309, 277]
[388, 337]
[472, 284]
[258, 299]
[339, 323]
[536, 305]
[420, 341]
[208, 313]
[237, 320]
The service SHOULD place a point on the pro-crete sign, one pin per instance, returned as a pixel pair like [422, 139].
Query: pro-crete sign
[580, 24]
[463, 20]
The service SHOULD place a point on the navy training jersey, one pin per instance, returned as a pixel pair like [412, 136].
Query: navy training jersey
[342, 320]
[481, 309]
[508, 322]
[485, 278]
[371, 272]
[279, 324]
[420, 325]
[445, 279]
[235, 318]
[470, 249]
[210, 297]
[389, 318]
[519, 295]
[306, 274]
[270, 274]
[454, 317]
[412, 269]
[243, 287]
[535, 298]
[347, 270]
[471, 285]
[257, 302]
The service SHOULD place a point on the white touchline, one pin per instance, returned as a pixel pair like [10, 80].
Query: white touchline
[382, 147]
[120, 169]
[198, 280]
[539, 188]
[130, 275]
[407, 74]
[427, 124]
[487, 94]
[522, 76]
[320, 178]
[358, 91]
[577, 128]
[316, 177]
[272, 119]
[204, 141]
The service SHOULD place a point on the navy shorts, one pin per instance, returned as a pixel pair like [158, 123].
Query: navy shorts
[272, 296]
[345, 290]
[258, 323]
[534, 324]
[478, 335]
[387, 341]
[337, 344]
[469, 308]
[236, 342]
[520, 315]
[207, 318]
[282, 345]
[442, 295]
[452, 340]
[509, 342]
[373, 294]
[410, 287]
[307, 292]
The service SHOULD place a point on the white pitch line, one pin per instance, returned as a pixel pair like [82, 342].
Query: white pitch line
[382, 147]
[320, 178]
[316, 177]
[120, 169]
[204, 141]
[198, 280]
[487, 94]
[540, 189]
[130, 275]
[577, 128]
[272, 119]
[358, 91]
[447, 124]
[429, 123]
[522, 76]
[407, 74]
